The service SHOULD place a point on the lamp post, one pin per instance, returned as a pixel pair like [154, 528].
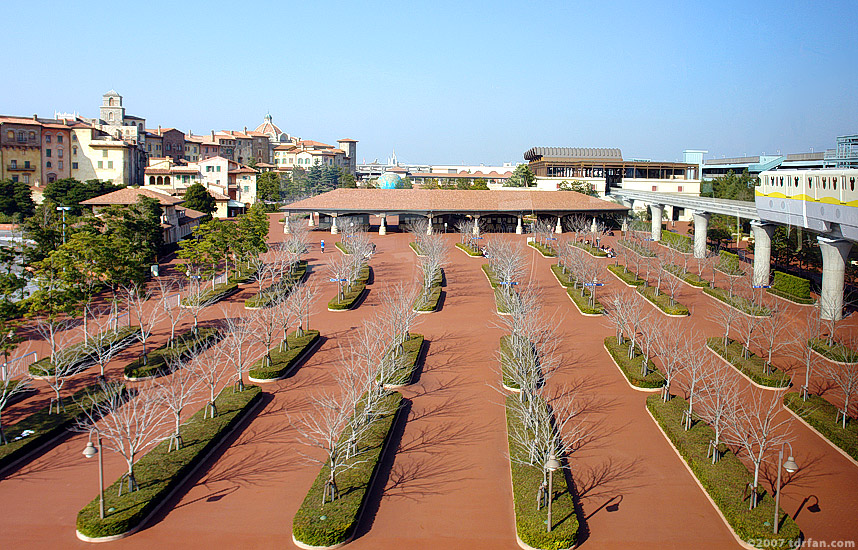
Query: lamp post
[550, 465]
[90, 451]
[790, 466]
[64, 209]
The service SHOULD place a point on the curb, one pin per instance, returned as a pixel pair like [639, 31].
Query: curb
[817, 432]
[239, 425]
[579, 308]
[745, 376]
[626, 378]
[737, 309]
[358, 299]
[467, 253]
[558, 279]
[298, 360]
[830, 360]
[656, 306]
[741, 542]
[686, 283]
[540, 252]
[621, 280]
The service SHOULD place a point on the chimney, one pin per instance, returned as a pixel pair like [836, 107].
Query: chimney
[159, 129]
[190, 133]
[245, 129]
[35, 117]
[213, 135]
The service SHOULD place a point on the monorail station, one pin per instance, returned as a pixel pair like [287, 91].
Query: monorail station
[500, 211]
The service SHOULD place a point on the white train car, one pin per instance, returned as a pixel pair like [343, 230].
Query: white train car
[814, 199]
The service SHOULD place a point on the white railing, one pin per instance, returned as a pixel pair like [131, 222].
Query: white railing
[25, 361]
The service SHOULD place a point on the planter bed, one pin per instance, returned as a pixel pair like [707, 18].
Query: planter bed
[283, 361]
[546, 251]
[335, 522]
[838, 353]
[429, 303]
[267, 296]
[583, 302]
[351, 297]
[499, 292]
[416, 248]
[639, 250]
[46, 427]
[737, 302]
[157, 363]
[125, 336]
[530, 523]
[592, 250]
[725, 481]
[686, 276]
[631, 368]
[469, 250]
[753, 367]
[243, 275]
[627, 276]
[342, 248]
[662, 302]
[562, 278]
[405, 374]
[821, 414]
[160, 472]
[507, 380]
[211, 295]
[791, 297]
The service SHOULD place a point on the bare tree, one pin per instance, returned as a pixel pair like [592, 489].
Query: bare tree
[697, 366]
[672, 282]
[15, 381]
[725, 316]
[755, 429]
[770, 333]
[507, 262]
[103, 346]
[674, 348]
[576, 224]
[340, 269]
[748, 328]
[147, 314]
[707, 263]
[433, 260]
[617, 312]
[543, 232]
[716, 405]
[238, 349]
[168, 297]
[300, 302]
[801, 348]
[177, 392]
[212, 373]
[844, 374]
[65, 357]
[128, 423]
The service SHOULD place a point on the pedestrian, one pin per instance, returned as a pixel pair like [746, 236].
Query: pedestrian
[322, 245]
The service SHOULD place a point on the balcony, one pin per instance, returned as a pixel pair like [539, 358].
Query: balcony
[20, 168]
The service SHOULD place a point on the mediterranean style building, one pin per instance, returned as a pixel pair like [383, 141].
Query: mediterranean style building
[290, 152]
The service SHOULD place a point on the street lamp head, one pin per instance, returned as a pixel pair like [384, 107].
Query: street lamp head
[552, 463]
[64, 208]
[790, 465]
[90, 451]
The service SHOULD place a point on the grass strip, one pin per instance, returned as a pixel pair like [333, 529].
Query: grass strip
[592, 250]
[636, 248]
[662, 301]
[335, 522]
[160, 471]
[626, 275]
[44, 425]
[691, 278]
[343, 249]
[530, 523]
[837, 352]
[211, 296]
[282, 361]
[742, 304]
[405, 373]
[158, 361]
[791, 297]
[416, 248]
[562, 278]
[470, 250]
[631, 367]
[544, 250]
[725, 481]
[242, 275]
[428, 301]
[583, 302]
[351, 296]
[269, 295]
[754, 367]
[822, 415]
[124, 336]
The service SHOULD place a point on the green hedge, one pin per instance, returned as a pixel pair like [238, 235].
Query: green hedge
[753, 367]
[159, 471]
[562, 278]
[529, 522]
[335, 522]
[791, 287]
[838, 352]
[592, 250]
[583, 302]
[242, 275]
[46, 426]
[490, 274]
[676, 241]
[158, 360]
[742, 304]
[691, 278]
[470, 250]
[632, 367]
[125, 335]
[790, 297]
[821, 414]
[429, 302]
[405, 374]
[416, 248]
[210, 295]
[728, 263]
[343, 249]
[627, 276]
[350, 297]
[283, 361]
[636, 248]
[544, 250]
[662, 301]
[267, 296]
[725, 481]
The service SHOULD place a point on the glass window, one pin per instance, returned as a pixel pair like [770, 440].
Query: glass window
[61, 165]
[110, 164]
[218, 168]
[47, 138]
[10, 134]
[59, 138]
[74, 150]
[26, 178]
[60, 152]
[100, 164]
[48, 164]
[26, 164]
[32, 135]
[104, 153]
[74, 166]
[47, 153]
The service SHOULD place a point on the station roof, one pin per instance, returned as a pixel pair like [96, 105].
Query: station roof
[576, 153]
[452, 201]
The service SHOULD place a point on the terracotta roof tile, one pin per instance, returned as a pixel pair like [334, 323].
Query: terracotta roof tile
[129, 195]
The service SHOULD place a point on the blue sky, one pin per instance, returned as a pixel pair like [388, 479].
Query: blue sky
[454, 82]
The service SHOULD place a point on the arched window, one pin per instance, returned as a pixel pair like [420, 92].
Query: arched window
[32, 135]
[110, 115]
[151, 180]
[48, 164]
[160, 180]
[47, 138]
[166, 180]
[10, 134]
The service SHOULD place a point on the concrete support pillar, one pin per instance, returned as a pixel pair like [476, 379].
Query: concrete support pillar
[701, 228]
[834, 255]
[429, 225]
[476, 229]
[334, 228]
[287, 230]
[518, 228]
[559, 228]
[593, 225]
[312, 221]
[657, 211]
[762, 251]
[382, 227]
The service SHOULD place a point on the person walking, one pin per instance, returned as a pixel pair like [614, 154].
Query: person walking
[322, 245]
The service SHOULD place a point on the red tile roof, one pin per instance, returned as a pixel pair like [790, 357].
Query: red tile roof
[129, 195]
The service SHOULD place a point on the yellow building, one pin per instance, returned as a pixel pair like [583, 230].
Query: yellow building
[20, 150]
[96, 155]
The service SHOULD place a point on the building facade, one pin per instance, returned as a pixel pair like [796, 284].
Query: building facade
[56, 151]
[20, 150]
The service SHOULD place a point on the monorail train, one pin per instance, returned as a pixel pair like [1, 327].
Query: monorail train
[822, 200]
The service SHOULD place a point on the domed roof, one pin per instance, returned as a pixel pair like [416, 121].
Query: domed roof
[388, 180]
